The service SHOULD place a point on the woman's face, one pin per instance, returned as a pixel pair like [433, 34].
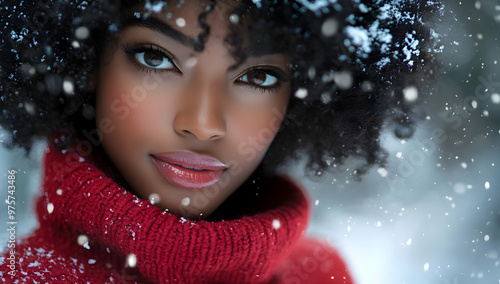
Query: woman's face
[183, 128]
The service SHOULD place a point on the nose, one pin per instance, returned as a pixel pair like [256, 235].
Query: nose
[200, 115]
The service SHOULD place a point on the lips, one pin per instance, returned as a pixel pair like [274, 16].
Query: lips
[188, 169]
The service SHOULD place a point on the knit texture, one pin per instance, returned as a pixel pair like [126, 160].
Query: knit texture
[94, 231]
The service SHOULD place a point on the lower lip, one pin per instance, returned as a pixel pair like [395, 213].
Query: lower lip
[187, 178]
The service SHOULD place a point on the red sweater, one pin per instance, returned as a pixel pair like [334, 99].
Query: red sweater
[94, 231]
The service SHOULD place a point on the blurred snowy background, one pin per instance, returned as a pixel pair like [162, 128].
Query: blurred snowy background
[433, 214]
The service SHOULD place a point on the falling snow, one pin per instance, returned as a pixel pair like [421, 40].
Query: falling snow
[383, 172]
[154, 198]
[410, 93]
[50, 208]
[233, 18]
[82, 33]
[447, 201]
[131, 260]
[180, 22]
[487, 185]
[495, 98]
[68, 87]
[276, 224]
[301, 93]
[185, 201]
[329, 27]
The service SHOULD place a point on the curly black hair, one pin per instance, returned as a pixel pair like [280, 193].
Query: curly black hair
[358, 66]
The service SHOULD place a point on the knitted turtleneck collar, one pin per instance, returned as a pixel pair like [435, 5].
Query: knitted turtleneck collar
[102, 225]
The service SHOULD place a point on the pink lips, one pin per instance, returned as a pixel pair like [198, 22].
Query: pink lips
[188, 169]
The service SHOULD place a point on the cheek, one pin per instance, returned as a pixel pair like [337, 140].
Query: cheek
[262, 126]
[255, 129]
[126, 110]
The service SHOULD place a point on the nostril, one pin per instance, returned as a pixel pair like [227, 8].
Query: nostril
[186, 133]
[201, 134]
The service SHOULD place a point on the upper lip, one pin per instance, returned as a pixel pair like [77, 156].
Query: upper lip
[189, 159]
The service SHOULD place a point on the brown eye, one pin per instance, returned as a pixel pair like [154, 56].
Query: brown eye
[259, 78]
[154, 60]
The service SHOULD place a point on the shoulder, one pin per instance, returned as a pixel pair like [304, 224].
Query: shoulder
[313, 261]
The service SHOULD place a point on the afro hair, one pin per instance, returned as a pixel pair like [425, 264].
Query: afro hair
[358, 66]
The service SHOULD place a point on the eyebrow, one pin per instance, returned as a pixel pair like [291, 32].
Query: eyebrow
[161, 27]
[266, 46]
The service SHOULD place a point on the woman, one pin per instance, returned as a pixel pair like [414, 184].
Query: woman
[168, 123]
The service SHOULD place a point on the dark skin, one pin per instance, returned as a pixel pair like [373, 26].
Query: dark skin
[156, 94]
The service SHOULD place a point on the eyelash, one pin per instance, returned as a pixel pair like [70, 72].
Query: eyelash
[132, 50]
[278, 74]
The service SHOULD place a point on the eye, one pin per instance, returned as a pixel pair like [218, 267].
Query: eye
[148, 57]
[154, 59]
[261, 78]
